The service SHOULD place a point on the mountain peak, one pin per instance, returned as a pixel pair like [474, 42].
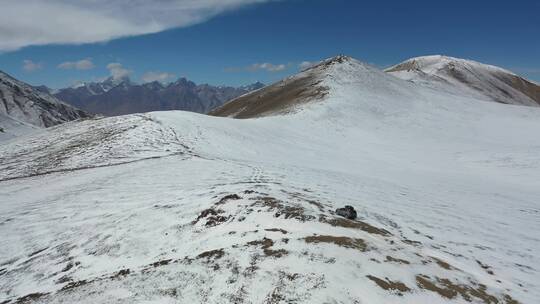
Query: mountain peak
[311, 85]
[468, 77]
[183, 81]
[336, 60]
[339, 59]
[116, 81]
[437, 62]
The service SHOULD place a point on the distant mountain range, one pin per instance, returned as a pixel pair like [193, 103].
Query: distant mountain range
[121, 96]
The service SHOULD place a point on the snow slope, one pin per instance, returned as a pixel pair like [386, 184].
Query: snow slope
[11, 128]
[177, 207]
[460, 76]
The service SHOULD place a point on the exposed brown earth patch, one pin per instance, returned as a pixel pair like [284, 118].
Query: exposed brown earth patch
[266, 245]
[161, 263]
[283, 210]
[277, 230]
[212, 254]
[355, 224]
[316, 204]
[387, 284]
[212, 217]
[274, 99]
[286, 291]
[75, 284]
[509, 300]
[443, 264]
[411, 242]
[229, 197]
[524, 86]
[341, 241]
[450, 290]
[395, 260]
[301, 196]
[120, 273]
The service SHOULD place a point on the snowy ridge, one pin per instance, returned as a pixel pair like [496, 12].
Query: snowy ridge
[432, 64]
[469, 78]
[212, 210]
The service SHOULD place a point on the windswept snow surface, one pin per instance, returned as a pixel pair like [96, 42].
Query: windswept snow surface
[177, 207]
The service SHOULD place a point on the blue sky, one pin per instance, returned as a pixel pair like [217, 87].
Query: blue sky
[267, 41]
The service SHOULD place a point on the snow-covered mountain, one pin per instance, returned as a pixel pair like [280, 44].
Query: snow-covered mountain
[178, 207]
[25, 103]
[121, 96]
[469, 77]
[284, 96]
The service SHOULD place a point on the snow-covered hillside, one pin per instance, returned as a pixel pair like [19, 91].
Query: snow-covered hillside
[460, 76]
[177, 207]
[11, 128]
[24, 103]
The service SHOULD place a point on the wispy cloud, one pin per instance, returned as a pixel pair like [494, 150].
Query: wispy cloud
[157, 76]
[22, 23]
[83, 64]
[30, 66]
[268, 67]
[306, 64]
[118, 71]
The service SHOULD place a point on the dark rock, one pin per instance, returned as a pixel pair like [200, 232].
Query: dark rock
[347, 212]
[226, 198]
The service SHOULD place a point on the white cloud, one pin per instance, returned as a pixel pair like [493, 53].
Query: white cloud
[267, 67]
[30, 66]
[83, 64]
[38, 22]
[118, 71]
[306, 64]
[157, 76]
